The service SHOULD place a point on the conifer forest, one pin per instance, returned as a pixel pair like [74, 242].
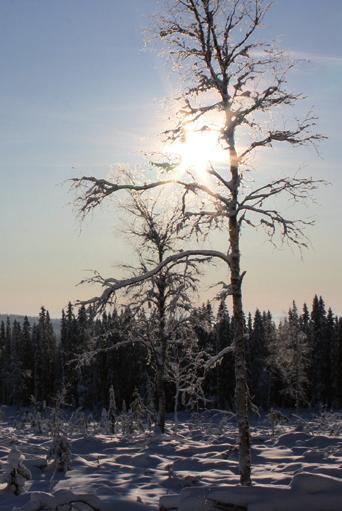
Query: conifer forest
[292, 363]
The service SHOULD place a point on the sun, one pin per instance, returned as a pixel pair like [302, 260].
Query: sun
[198, 150]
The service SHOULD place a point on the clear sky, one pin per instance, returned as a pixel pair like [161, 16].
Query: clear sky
[78, 94]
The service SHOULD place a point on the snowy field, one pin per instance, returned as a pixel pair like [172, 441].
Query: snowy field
[132, 472]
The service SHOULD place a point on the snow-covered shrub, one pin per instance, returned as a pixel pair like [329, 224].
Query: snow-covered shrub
[108, 417]
[91, 423]
[300, 423]
[79, 421]
[112, 410]
[83, 423]
[24, 419]
[181, 481]
[60, 452]
[104, 421]
[186, 368]
[139, 412]
[126, 419]
[36, 422]
[16, 473]
[56, 419]
[19, 422]
[275, 417]
[150, 407]
[328, 422]
[128, 423]
[216, 422]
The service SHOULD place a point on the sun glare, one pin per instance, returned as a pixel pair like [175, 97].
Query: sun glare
[199, 150]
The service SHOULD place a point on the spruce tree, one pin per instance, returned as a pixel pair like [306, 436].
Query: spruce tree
[257, 355]
[225, 371]
[320, 350]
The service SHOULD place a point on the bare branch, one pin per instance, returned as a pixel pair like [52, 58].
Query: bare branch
[296, 188]
[113, 285]
[213, 172]
[302, 135]
[94, 190]
[290, 230]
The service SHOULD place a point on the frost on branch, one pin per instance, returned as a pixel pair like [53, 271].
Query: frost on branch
[187, 367]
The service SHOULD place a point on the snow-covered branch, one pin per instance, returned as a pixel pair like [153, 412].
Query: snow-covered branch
[213, 360]
[112, 285]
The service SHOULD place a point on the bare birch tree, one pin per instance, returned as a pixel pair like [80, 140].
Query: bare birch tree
[240, 81]
[156, 234]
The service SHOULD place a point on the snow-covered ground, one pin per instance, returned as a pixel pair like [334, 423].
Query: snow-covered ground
[132, 473]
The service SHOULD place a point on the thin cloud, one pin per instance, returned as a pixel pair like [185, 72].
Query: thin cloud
[318, 58]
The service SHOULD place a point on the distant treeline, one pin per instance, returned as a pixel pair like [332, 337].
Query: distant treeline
[295, 363]
[56, 323]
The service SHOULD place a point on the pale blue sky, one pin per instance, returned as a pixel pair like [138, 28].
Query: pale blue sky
[78, 94]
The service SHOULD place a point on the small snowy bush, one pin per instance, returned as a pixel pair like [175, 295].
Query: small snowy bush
[16, 473]
[139, 412]
[36, 422]
[112, 411]
[275, 417]
[60, 452]
[104, 423]
[79, 422]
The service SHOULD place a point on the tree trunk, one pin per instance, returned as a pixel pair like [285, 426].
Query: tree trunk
[241, 388]
[161, 353]
[161, 402]
[176, 408]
